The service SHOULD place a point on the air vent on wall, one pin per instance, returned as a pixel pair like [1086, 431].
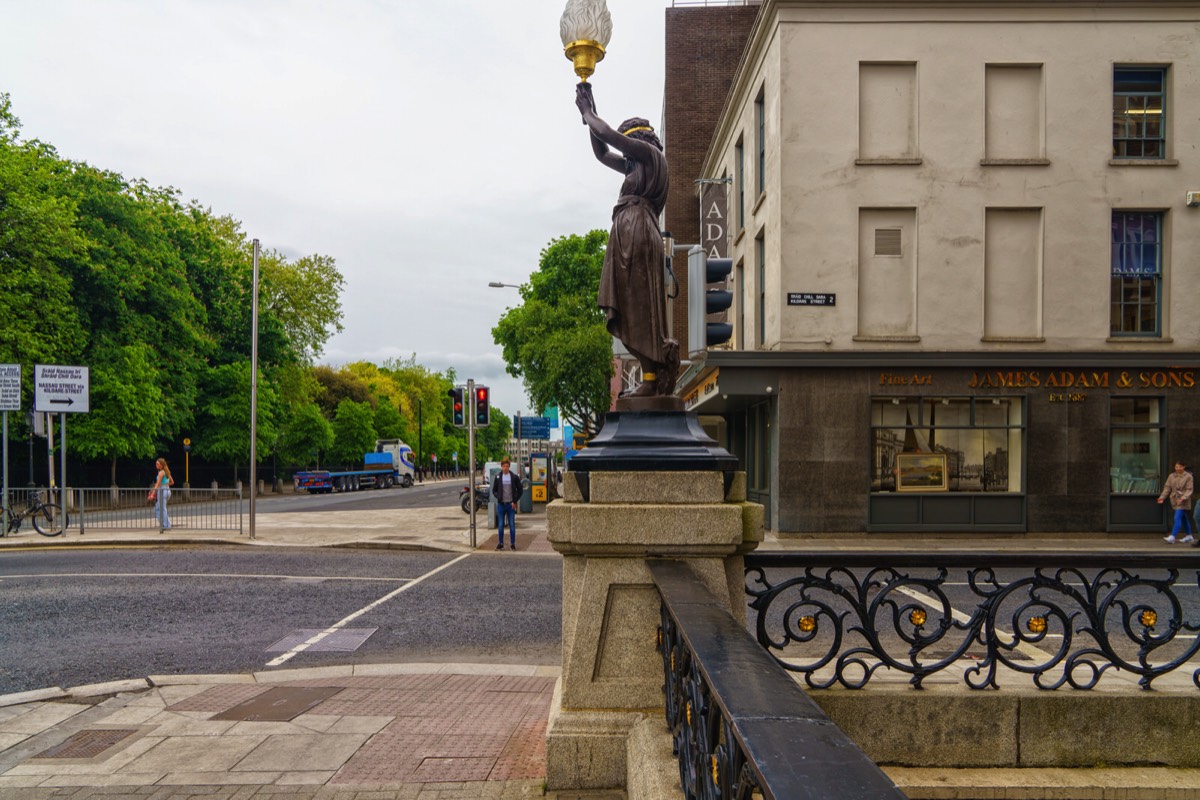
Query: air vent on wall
[887, 241]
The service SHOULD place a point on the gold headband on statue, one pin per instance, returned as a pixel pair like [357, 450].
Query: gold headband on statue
[639, 128]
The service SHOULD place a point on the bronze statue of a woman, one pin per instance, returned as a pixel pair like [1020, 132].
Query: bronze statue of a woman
[632, 288]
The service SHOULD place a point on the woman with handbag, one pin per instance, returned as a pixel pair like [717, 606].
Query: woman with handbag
[160, 493]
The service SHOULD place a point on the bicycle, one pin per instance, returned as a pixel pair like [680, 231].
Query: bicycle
[48, 518]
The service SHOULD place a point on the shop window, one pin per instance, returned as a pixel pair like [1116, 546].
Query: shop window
[1135, 437]
[1136, 260]
[947, 444]
[1139, 113]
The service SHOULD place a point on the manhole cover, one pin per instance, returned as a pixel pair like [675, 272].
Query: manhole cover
[87, 744]
[343, 640]
[281, 704]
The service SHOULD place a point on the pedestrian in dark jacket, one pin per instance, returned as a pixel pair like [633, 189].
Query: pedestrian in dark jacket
[506, 488]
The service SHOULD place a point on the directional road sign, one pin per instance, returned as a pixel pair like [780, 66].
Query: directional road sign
[61, 390]
[10, 387]
[531, 427]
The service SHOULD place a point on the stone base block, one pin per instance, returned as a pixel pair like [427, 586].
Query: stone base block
[958, 727]
[587, 749]
[653, 768]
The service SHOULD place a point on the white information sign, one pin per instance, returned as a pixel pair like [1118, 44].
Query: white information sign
[10, 387]
[60, 390]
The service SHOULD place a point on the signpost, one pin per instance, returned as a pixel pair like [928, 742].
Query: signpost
[531, 427]
[187, 463]
[10, 400]
[62, 390]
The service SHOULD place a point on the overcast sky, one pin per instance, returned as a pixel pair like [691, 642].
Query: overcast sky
[429, 147]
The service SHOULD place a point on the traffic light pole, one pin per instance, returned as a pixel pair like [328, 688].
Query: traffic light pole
[470, 412]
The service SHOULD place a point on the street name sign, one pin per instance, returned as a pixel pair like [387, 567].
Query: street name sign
[10, 387]
[61, 390]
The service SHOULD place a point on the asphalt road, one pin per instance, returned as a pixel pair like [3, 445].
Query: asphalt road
[73, 617]
[420, 495]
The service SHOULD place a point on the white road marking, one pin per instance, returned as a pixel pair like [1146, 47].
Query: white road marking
[300, 648]
[1034, 653]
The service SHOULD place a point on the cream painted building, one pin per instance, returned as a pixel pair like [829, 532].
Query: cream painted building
[965, 267]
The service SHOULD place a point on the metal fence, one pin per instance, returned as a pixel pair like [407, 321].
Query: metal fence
[1057, 618]
[741, 726]
[115, 509]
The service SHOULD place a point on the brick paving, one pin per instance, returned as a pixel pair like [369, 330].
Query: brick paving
[428, 736]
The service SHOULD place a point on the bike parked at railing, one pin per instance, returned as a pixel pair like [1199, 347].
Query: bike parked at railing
[48, 518]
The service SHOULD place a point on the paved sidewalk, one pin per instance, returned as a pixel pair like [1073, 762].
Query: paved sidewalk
[380, 731]
[444, 528]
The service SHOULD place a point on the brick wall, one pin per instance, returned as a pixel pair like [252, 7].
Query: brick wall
[703, 48]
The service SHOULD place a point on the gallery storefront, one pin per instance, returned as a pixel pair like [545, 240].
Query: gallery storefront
[956, 441]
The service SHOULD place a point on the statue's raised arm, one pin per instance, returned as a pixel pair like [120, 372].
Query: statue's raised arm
[632, 285]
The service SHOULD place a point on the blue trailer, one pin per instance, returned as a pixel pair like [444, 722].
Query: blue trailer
[389, 465]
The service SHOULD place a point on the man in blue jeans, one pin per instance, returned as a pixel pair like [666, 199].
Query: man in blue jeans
[506, 488]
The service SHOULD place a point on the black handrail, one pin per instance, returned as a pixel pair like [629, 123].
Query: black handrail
[738, 721]
[1065, 618]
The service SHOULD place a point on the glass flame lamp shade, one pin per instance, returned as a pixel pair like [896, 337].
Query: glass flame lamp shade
[586, 28]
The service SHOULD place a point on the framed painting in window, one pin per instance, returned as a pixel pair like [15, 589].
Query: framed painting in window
[921, 472]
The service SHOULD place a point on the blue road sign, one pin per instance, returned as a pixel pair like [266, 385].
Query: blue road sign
[531, 427]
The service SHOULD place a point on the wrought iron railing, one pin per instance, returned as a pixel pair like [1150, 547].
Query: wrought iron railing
[741, 726]
[1059, 618]
[128, 509]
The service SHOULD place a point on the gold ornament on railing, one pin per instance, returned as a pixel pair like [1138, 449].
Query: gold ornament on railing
[585, 28]
[808, 624]
[1036, 624]
[1149, 617]
[917, 617]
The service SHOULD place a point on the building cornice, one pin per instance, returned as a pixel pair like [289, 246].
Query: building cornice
[891, 359]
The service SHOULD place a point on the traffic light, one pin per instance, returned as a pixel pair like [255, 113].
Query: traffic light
[483, 406]
[457, 407]
[703, 301]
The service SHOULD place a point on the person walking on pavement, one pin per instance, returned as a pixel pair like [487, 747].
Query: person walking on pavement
[1178, 486]
[162, 493]
[506, 488]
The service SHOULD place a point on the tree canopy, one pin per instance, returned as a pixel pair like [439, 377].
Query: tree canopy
[555, 341]
[154, 295]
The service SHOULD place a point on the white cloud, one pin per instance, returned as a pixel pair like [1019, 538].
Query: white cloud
[429, 147]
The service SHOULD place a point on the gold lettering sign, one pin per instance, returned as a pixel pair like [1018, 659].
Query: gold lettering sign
[1081, 379]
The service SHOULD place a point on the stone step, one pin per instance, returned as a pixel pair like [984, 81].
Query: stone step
[1100, 783]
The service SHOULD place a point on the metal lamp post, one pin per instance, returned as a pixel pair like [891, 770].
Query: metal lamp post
[253, 387]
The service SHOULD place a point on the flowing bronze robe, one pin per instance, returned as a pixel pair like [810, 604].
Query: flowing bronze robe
[632, 291]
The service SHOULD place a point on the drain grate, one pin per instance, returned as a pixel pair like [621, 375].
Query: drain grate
[88, 744]
[281, 704]
[343, 640]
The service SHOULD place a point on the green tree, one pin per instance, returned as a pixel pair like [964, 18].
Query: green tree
[337, 385]
[38, 231]
[126, 408]
[388, 422]
[223, 421]
[305, 296]
[555, 341]
[353, 433]
[306, 436]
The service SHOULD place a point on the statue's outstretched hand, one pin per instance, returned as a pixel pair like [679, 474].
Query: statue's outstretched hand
[583, 98]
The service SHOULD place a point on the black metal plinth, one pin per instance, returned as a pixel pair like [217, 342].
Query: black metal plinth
[652, 441]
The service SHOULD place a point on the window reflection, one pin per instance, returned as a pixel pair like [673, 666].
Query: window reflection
[981, 439]
[1135, 438]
